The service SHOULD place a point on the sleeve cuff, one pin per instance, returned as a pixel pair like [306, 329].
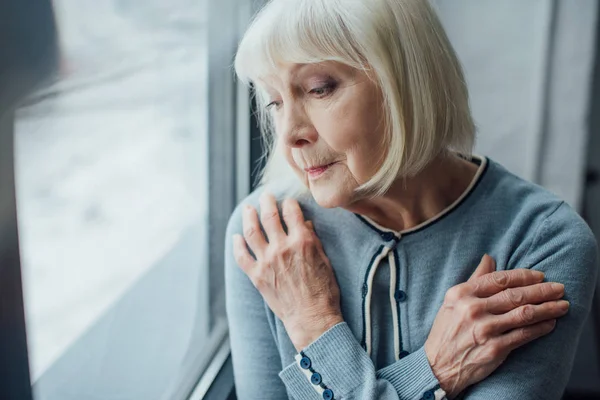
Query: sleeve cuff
[440, 394]
[338, 358]
[343, 366]
[412, 376]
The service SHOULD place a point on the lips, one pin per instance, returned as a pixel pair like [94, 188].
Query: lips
[316, 172]
[318, 169]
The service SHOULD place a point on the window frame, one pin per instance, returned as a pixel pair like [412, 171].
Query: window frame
[27, 58]
[14, 360]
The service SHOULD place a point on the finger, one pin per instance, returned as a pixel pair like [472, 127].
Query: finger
[311, 227]
[521, 336]
[486, 265]
[492, 283]
[252, 233]
[510, 299]
[269, 216]
[292, 215]
[529, 314]
[241, 254]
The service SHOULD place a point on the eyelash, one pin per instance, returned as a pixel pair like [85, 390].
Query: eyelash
[271, 104]
[327, 89]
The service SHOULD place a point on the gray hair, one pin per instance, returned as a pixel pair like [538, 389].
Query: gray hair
[400, 44]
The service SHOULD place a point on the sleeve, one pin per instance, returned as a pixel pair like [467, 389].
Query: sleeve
[566, 251]
[254, 353]
[335, 366]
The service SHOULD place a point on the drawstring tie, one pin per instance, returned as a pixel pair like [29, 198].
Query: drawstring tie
[385, 252]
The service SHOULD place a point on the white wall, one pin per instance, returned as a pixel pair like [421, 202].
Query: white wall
[528, 66]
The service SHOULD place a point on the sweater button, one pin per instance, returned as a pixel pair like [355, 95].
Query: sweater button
[316, 379]
[328, 394]
[400, 296]
[388, 236]
[365, 290]
[403, 354]
[305, 363]
[429, 395]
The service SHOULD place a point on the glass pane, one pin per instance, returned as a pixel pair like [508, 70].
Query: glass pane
[111, 185]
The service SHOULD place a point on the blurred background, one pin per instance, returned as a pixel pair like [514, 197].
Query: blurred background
[125, 143]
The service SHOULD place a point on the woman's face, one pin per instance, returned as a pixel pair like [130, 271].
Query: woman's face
[329, 122]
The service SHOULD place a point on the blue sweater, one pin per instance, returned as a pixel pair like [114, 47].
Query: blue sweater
[393, 284]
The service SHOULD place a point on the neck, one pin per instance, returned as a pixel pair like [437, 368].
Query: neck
[411, 201]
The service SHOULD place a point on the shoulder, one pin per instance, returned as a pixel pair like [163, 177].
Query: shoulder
[548, 233]
[517, 198]
[564, 242]
[310, 208]
[526, 210]
[531, 223]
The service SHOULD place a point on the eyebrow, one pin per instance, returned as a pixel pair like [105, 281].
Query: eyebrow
[297, 68]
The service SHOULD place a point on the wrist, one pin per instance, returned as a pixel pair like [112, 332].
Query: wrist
[446, 377]
[303, 333]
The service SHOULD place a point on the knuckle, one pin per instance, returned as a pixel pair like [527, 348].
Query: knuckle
[482, 333]
[270, 255]
[515, 297]
[546, 290]
[289, 213]
[494, 352]
[250, 232]
[260, 283]
[499, 278]
[525, 335]
[455, 294]
[470, 310]
[263, 272]
[269, 215]
[301, 241]
[527, 314]
[450, 296]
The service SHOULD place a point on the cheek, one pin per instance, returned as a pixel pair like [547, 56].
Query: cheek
[364, 151]
[353, 127]
[360, 164]
[289, 157]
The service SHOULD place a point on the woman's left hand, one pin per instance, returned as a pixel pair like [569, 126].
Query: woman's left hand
[291, 271]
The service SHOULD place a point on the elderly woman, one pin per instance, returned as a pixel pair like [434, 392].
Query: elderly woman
[380, 259]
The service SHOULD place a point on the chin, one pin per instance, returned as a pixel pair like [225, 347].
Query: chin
[329, 196]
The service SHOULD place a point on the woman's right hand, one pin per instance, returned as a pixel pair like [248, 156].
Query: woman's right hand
[487, 317]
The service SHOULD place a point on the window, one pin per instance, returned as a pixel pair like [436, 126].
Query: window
[123, 196]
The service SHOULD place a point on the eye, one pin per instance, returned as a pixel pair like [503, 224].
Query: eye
[323, 91]
[275, 104]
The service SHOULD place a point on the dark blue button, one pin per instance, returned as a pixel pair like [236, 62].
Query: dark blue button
[316, 378]
[305, 363]
[400, 296]
[388, 236]
[328, 394]
[429, 395]
[403, 354]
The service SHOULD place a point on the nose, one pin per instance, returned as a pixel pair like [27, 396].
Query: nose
[297, 129]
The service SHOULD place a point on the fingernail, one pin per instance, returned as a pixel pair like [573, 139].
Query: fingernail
[539, 274]
[563, 305]
[558, 286]
[551, 323]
